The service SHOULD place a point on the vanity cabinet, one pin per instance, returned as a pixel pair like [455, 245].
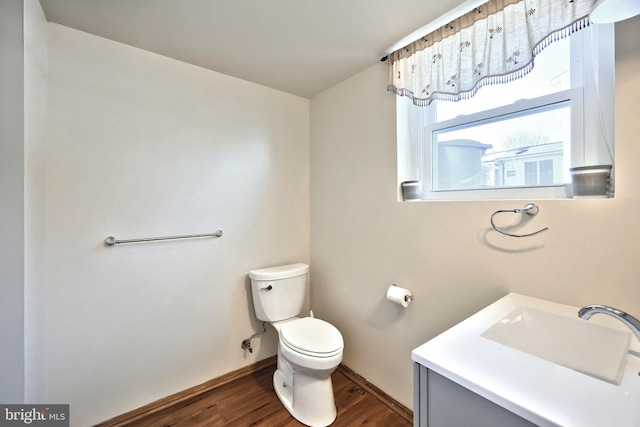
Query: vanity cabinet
[440, 402]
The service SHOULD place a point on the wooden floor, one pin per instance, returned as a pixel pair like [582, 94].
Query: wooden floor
[251, 401]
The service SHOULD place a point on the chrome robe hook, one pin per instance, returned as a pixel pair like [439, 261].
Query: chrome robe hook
[529, 209]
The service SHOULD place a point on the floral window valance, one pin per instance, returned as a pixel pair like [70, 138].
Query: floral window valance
[494, 43]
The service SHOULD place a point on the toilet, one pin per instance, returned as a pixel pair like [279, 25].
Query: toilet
[309, 349]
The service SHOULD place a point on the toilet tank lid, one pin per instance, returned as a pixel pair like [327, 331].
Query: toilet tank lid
[281, 272]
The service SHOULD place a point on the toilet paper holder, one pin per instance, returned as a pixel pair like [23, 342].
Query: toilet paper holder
[407, 298]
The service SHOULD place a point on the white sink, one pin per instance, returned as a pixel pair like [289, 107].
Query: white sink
[586, 347]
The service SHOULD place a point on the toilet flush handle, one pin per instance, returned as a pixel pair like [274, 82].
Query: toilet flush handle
[267, 288]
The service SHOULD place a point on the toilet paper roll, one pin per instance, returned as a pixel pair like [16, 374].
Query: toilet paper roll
[399, 295]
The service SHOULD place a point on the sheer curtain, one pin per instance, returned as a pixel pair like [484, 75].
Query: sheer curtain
[494, 43]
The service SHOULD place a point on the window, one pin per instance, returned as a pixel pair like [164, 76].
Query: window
[519, 139]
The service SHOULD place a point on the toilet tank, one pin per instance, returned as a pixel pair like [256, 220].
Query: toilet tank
[278, 292]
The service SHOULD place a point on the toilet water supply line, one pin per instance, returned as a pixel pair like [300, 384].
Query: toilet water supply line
[246, 344]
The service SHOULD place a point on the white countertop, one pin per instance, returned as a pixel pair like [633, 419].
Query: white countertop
[540, 391]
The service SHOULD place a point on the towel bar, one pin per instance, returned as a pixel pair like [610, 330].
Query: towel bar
[111, 241]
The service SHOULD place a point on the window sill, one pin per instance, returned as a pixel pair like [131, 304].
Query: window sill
[558, 192]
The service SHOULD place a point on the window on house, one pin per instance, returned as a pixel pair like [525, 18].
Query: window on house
[518, 139]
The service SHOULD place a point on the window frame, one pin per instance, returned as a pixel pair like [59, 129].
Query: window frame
[520, 108]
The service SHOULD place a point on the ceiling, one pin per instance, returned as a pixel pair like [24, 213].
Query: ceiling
[297, 46]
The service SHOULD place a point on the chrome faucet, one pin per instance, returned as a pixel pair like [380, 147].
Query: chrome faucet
[634, 324]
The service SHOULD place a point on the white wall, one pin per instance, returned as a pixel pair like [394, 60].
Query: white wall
[23, 87]
[35, 103]
[363, 240]
[139, 145]
[12, 209]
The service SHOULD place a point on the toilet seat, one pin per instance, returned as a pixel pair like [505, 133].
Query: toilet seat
[312, 337]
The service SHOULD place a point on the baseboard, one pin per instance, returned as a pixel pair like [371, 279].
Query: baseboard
[193, 392]
[185, 395]
[397, 407]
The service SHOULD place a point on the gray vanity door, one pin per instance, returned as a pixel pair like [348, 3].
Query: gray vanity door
[439, 402]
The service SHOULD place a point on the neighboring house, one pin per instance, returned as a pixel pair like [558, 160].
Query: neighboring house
[523, 166]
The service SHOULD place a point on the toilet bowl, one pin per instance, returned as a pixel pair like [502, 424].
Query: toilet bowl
[309, 349]
[302, 380]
